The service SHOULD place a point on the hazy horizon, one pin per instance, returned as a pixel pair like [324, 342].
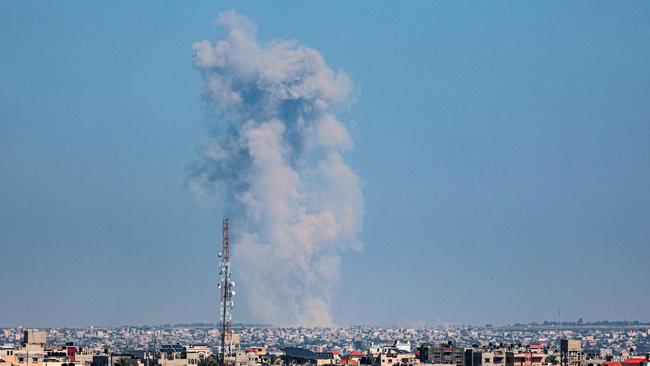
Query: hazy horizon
[615, 323]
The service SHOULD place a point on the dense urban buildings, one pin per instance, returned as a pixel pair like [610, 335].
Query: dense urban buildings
[372, 346]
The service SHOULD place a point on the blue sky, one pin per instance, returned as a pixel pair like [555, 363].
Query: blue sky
[504, 150]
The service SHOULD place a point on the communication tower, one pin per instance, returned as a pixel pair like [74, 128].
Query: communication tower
[226, 286]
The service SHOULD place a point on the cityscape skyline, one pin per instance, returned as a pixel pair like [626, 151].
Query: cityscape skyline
[236, 325]
[589, 345]
[127, 338]
[492, 162]
[551, 324]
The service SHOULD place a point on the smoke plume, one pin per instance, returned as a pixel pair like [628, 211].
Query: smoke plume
[276, 154]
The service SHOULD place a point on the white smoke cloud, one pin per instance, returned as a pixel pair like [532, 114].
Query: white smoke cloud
[276, 152]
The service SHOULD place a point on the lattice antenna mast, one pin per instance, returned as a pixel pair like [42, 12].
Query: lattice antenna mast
[226, 286]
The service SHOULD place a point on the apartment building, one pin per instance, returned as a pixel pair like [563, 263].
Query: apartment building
[440, 354]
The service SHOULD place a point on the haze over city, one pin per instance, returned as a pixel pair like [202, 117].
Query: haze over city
[416, 164]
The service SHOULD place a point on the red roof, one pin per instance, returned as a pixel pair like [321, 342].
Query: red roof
[635, 361]
[537, 346]
[348, 361]
[356, 354]
[611, 363]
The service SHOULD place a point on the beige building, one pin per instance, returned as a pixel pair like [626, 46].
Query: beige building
[35, 337]
[197, 352]
[394, 357]
[571, 353]
[172, 355]
[7, 353]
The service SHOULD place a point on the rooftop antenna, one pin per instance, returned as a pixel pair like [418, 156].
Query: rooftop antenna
[226, 286]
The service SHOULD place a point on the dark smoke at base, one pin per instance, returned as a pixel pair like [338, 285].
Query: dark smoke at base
[276, 153]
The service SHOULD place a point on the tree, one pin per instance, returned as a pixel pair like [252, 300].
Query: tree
[122, 361]
[208, 361]
[551, 359]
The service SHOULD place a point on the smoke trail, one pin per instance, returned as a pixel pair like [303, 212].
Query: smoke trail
[276, 153]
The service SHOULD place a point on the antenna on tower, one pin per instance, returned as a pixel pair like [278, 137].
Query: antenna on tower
[225, 285]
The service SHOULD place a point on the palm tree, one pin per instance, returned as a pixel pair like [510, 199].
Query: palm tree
[208, 361]
[122, 361]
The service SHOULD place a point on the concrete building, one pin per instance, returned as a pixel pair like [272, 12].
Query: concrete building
[172, 355]
[441, 354]
[484, 357]
[197, 352]
[29, 354]
[571, 353]
[36, 337]
[7, 353]
[525, 358]
[396, 357]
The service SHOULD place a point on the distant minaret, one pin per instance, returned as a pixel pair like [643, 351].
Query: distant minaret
[225, 285]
